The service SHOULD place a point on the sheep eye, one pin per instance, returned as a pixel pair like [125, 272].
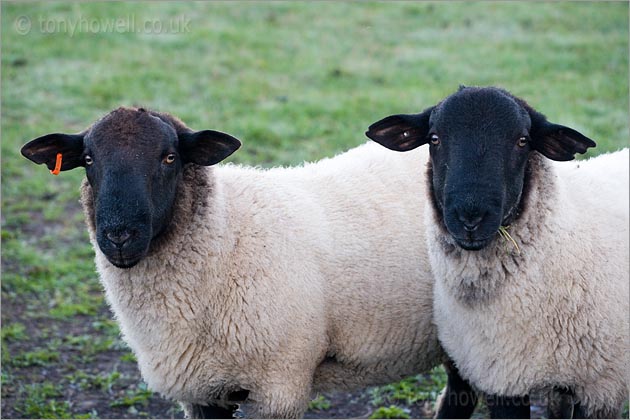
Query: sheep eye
[170, 158]
[435, 139]
[88, 160]
[522, 141]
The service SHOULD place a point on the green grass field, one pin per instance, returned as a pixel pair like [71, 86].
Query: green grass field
[294, 81]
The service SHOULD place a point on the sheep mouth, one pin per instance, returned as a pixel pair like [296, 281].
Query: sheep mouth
[125, 255]
[120, 260]
[472, 244]
[472, 241]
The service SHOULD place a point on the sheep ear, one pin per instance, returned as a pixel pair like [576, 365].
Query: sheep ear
[556, 141]
[45, 149]
[401, 132]
[206, 147]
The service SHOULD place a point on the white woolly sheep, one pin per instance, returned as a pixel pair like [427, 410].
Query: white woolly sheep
[530, 256]
[234, 284]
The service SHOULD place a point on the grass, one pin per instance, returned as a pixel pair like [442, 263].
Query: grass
[391, 412]
[411, 390]
[40, 403]
[503, 231]
[319, 403]
[135, 395]
[295, 81]
[85, 381]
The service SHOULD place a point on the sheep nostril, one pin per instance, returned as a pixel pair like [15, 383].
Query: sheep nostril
[118, 239]
[470, 227]
[471, 222]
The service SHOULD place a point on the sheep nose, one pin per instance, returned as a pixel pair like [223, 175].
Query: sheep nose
[471, 221]
[118, 238]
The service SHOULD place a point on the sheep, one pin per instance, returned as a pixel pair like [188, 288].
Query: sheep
[530, 256]
[237, 285]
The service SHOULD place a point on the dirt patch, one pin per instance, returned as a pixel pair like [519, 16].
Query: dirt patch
[345, 405]
[85, 380]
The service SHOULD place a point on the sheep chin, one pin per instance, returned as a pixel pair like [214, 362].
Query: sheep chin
[124, 262]
[473, 245]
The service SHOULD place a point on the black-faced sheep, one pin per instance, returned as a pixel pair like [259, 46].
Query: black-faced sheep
[241, 285]
[530, 256]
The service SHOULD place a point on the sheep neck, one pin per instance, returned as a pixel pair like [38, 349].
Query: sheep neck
[171, 273]
[173, 301]
[476, 277]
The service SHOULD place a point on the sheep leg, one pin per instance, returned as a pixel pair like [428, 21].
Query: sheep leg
[198, 411]
[564, 405]
[561, 405]
[284, 397]
[502, 407]
[282, 403]
[458, 400]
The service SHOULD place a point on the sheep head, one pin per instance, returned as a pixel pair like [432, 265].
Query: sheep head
[480, 140]
[133, 160]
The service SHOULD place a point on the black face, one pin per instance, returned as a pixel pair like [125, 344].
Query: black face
[479, 144]
[134, 161]
[133, 197]
[480, 140]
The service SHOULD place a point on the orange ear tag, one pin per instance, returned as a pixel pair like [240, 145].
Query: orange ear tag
[57, 165]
